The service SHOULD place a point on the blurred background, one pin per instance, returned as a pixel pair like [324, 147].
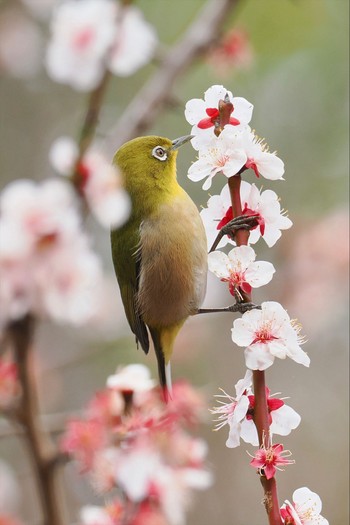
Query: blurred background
[290, 59]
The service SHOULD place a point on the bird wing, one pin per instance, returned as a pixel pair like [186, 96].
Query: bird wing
[127, 265]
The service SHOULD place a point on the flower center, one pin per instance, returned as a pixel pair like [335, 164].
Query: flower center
[264, 334]
[83, 38]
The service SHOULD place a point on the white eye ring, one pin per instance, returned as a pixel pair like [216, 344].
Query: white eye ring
[159, 153]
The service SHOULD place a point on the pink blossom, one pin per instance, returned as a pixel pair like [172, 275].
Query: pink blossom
[267, 206]
[107, 406]
[267, 460]
[46, 261]
[93, 515]
[134, 45]
[305, 509]
[203, 113]
[237, 412]
[233, 51]
[218, 155]
[83, 439]
[98, 181]
[148, 513]
[233, 151]
[9, 385]
[271, 220]
[239, 269]
[89, 38]
[81, 35]
[234, 412]
[131, 378]
[266, 334]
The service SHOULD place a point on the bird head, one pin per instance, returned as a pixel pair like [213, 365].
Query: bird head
[148, 164]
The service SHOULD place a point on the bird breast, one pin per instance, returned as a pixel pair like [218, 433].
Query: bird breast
[173, 272]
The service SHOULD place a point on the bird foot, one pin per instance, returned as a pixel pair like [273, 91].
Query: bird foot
[243, 222]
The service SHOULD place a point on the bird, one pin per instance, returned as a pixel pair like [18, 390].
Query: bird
[160, 253]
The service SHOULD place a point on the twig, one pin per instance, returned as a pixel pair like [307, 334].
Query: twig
[41, 449]
[149, 101]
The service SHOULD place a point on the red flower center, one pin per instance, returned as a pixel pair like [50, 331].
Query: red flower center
[213, 117]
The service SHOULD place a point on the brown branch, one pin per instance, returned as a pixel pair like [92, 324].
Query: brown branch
[149, 101]
[42, 451]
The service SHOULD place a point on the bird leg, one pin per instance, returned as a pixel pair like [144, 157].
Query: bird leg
[237, 307]
[243, 222]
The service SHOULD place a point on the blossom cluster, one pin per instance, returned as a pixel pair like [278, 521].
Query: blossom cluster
[133, 445]
[47, 265]
[237, 412]
[90, 37]
[97, 181]
[226, 145]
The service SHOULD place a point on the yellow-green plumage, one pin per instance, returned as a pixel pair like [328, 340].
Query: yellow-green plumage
[160, 254]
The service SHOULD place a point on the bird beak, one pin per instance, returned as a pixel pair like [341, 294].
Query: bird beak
[180, 141]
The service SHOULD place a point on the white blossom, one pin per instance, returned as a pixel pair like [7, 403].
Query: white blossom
[266, 334]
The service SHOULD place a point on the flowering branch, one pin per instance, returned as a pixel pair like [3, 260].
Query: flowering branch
[261, 413]
[43, 453]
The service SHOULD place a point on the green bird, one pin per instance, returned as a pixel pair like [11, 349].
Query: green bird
[160, 254]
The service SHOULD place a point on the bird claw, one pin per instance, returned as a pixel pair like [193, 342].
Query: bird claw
[243, 222]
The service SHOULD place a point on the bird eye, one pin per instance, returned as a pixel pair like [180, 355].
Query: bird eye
[159, 153]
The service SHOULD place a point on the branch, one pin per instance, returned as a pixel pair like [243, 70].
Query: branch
[261, 412]
[150, 100]
[41, 449]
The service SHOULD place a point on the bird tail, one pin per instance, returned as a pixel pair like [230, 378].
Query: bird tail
[163, 341]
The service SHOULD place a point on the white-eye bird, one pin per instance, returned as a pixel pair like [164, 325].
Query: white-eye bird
[160, 254]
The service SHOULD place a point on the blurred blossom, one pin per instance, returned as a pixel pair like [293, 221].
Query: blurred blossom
[234, 51]
[144, 451]
[92, 36]
[20, 45]
[83, 439]
[202, 114]
[271, 219]
[305, 509]
[46, 263]
[267, 460]
[9, 385]
[131, 378]
[134, 45]
[82, 32]
[237, 413]
[230, 152]
[266, 334]
[239, 269]
[98, 181]
[93, 515]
